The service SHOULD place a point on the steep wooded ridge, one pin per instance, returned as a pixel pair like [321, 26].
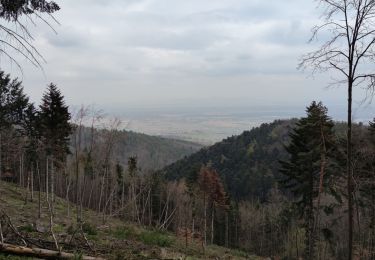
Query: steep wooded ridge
[248, 163]
[152, 152]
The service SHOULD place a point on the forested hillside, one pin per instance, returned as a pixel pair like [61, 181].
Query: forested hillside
[248, 163]
[152, 152]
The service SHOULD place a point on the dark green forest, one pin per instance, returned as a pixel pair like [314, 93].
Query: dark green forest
[248, 163]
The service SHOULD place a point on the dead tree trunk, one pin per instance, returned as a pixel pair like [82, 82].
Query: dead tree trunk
[212, 223]
[40, 253]
[47, 183]
[40, 191]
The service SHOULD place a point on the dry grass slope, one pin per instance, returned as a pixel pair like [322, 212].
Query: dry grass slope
[113, 239]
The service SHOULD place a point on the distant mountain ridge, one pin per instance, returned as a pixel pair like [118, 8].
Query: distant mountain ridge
[247, 163]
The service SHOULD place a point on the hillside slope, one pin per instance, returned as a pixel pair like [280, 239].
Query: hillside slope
[248, 163]
[152, 152]
[112, 239]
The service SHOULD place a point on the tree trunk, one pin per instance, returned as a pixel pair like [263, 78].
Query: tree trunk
[82, 197]
[193, 218]
[212, 224]
[372, 243]
[40, 191]
[90, 195]
[186, 234]
[349, 172]
[40, 253]
[67, 195]
[323, 162]
[310, 235]
[101, 190]
[47, 183]
[28, 190]
[122, 191]
[226, 229]
[77, 181]
[1, 156]
[205, 219]
[32, 182]
[20, 173]
[52, 182]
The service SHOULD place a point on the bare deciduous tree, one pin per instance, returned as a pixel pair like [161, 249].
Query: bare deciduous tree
[350, 51]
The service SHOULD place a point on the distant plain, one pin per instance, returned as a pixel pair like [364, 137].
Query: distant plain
[207, 125]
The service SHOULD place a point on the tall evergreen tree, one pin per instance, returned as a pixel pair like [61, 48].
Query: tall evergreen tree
[13, 104]
[32, 132]
[308, 172]
[54, 123]
[13, 101]
[366, 182]
[55, 129]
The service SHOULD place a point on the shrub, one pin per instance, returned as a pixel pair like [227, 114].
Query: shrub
[156, 238]
[123, 233]
[27, 228]
[89, 229]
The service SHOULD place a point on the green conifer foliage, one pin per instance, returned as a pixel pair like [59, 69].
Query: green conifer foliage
[11, 10]
[54, 123]
[13, 101]
[309, 172]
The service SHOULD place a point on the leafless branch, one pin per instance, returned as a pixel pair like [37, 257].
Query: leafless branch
[17, 36]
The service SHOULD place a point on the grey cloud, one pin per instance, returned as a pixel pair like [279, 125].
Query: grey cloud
[289, 33]
[152, 50]
[164, 39]
[69, 38]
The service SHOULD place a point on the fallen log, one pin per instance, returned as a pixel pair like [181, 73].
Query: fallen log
[39, 252]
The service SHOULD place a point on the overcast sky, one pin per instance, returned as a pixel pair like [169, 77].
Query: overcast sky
[142, 53]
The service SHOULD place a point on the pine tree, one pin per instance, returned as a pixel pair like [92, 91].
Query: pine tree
[54, 120]
[13, 104]
[366, 179]
[308, 172]
[55, 128]
[31, 131]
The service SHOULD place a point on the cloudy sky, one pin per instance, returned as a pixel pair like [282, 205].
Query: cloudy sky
[145, 53]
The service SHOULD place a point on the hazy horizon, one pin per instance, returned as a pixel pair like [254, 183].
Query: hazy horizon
[209, 124]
